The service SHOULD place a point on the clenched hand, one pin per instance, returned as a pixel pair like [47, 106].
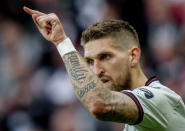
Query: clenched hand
[49, 25]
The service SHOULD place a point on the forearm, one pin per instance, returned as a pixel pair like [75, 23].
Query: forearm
[103, 103]
[87, 86]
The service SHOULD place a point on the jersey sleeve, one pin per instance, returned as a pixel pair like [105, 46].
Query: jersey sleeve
[152, 103]
[138, 104]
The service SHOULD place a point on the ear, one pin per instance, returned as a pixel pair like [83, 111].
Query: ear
[134, 56]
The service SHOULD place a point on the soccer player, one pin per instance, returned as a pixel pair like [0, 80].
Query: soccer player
[109, 81]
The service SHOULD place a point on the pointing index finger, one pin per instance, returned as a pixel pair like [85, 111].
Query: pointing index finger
[31, 12]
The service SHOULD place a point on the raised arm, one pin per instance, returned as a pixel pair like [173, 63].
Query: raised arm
[103, 103]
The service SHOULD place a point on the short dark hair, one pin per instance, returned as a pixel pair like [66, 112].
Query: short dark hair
[106, 28]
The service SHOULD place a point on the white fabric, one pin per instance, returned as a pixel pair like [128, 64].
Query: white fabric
[65, 47]
[165, 111]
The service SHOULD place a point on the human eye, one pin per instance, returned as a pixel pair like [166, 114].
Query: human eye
[105, 56]
[90, 61]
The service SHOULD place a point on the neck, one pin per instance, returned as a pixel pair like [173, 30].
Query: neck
[138, 78]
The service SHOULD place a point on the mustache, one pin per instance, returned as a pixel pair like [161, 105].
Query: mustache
[103, 76]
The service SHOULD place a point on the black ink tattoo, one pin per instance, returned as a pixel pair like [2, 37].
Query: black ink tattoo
[76, 70]
[86, 89]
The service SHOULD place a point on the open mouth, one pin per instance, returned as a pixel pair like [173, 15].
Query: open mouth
[104, 80]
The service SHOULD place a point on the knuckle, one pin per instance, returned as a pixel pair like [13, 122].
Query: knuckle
[52, 14]
[41, 21]
[40, 18]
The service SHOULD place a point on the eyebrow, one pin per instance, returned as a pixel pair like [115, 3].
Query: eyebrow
[105, 52]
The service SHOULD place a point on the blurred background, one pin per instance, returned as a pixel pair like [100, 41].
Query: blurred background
[35, 92]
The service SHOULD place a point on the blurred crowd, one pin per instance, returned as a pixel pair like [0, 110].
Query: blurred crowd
[35, 91]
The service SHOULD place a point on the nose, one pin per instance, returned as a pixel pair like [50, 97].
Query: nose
[98, 68]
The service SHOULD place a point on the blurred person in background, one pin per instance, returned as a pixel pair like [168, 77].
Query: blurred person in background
[165, 41]
[16, 66]
[110, 82]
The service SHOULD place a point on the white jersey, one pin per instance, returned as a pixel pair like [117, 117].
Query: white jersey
[160, 109]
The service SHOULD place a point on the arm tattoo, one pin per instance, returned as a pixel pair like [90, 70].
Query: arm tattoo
[123, 109]
[86, 89]
[90, 91]
[76, 71]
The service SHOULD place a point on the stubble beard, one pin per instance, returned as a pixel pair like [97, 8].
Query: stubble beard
[124, 82]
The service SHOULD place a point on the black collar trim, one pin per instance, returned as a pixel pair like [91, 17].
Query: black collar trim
[152, 79]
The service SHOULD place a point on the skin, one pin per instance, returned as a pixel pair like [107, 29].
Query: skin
[108, 63]
[98, 79]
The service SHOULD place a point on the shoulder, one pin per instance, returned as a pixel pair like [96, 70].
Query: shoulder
[156, 91]
[155, 100]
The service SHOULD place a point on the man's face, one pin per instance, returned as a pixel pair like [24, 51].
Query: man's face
[111, 65]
